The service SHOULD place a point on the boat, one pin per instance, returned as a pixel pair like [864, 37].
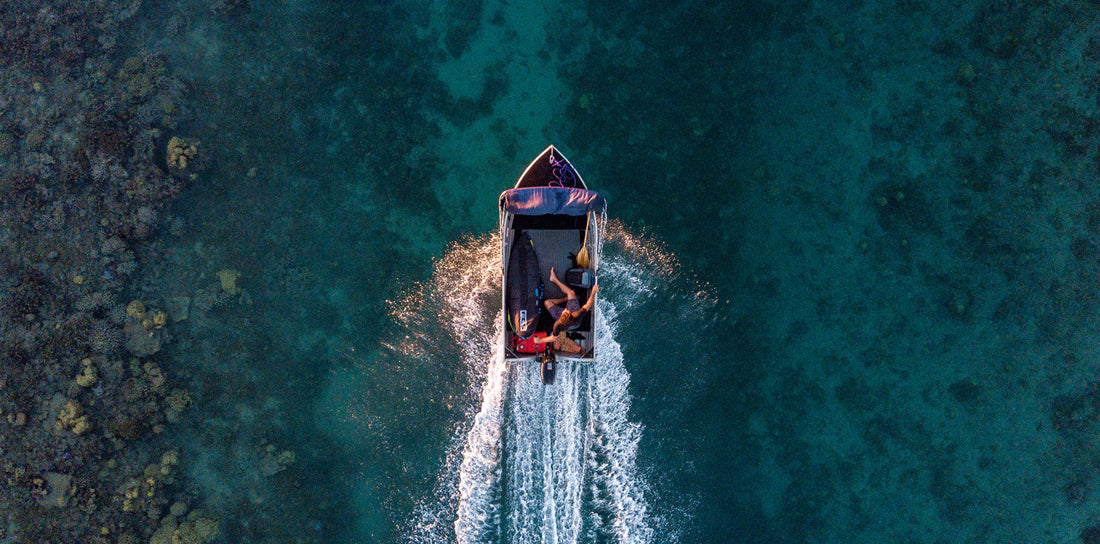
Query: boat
[549, 220]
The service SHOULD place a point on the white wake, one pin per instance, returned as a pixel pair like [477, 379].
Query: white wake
[534, 463]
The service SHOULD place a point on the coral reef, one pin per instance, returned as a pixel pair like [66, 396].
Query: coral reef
[56, 489]
[88, 374]
[84, 189]
[273, 461]
[144, 330]
[196, 528]
[71, 417]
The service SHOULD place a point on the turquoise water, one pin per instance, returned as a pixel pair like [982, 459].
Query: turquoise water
[849, 282]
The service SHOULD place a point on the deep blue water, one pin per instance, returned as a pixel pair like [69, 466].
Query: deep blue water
[851, 274]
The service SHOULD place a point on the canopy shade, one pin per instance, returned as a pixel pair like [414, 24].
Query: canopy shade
[551, 201]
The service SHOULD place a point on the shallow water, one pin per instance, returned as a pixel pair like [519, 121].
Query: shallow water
[848, 289]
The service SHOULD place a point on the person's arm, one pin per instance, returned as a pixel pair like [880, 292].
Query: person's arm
[544, 340]
[591, 298]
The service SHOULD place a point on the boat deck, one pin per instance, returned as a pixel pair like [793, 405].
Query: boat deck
[553, 248]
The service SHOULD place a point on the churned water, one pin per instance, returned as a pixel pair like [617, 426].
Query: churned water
[538, 463]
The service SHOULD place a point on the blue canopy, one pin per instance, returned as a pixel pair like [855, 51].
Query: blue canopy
[551, 201]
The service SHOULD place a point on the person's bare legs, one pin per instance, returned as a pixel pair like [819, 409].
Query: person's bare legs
[569, 293]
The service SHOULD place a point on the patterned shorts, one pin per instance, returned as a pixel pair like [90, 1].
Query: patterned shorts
[572, 305]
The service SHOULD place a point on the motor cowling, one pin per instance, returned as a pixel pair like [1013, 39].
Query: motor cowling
[549, 367]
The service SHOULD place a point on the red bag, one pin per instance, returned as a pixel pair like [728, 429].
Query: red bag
[528, 345]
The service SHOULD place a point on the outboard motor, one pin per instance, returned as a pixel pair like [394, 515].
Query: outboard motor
[549, 366]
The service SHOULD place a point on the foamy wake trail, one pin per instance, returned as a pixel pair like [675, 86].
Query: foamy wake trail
[539, 463]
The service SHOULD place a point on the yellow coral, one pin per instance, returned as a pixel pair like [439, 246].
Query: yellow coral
[167, 533]
[286, 457]
[154, 374]
[228, 279]
[129, 491]
[88, 375]
[198, 528]
[69, 411]
[135, 309]
[181, 151]
[170, 458]
[178, 399]
[70, 418]
[81, 425]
